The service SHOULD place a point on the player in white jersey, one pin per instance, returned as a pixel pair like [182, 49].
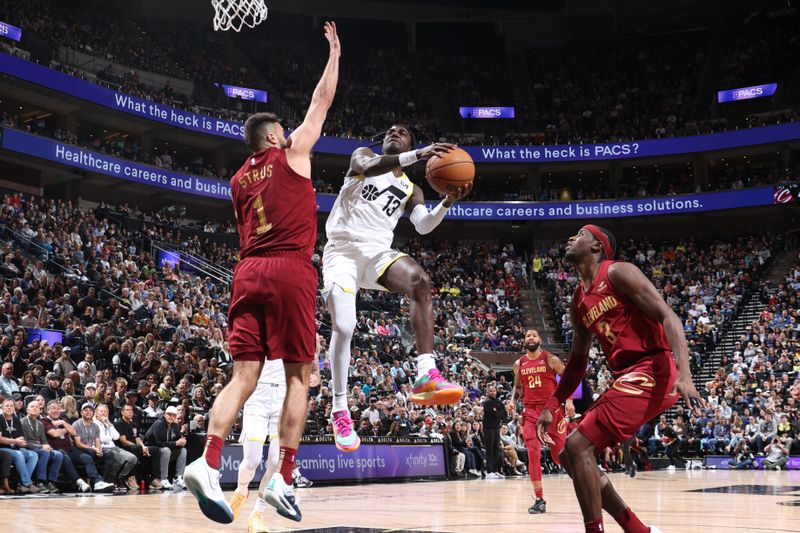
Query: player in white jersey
[260, 418]
[359, 254]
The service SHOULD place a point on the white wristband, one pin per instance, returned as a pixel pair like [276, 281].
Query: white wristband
[408, 158]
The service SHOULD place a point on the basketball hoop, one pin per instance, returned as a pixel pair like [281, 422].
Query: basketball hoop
[234, 14]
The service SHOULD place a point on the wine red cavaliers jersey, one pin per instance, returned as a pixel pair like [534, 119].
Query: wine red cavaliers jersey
[537, 379]
[275, 206]
[624, 331]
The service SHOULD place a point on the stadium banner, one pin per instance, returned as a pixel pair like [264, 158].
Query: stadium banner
[10, 32]
[118, 101]
[668, 205]
[747, 93]
[82, 158]
[244, 93]
[64, 83]
[74, 156]
[721, 462]
[325, 462]
[486, 112]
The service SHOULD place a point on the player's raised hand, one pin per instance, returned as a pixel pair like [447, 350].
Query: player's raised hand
[333, 37]
[543, 426]
[685, 387]
[435, 149]
[458, 194]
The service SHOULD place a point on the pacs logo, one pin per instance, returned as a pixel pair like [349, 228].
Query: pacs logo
[751, 92]
[239, 92]
[484, 112]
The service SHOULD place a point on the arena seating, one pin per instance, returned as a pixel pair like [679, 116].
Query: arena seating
[636, 93]
[705, 283]
[753, 397]
[79, 272]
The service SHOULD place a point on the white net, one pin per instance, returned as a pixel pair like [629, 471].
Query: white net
[235, 14]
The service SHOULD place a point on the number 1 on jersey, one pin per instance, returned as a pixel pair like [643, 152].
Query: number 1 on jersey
[263, 225]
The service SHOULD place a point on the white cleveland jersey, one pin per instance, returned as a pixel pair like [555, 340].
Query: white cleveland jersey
[272, 373]
[368, 209]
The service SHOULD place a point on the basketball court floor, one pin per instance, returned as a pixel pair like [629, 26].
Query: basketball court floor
[710, 501]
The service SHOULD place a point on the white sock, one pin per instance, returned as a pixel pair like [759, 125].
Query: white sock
[339, 402]
[260, 506]
[425, 362]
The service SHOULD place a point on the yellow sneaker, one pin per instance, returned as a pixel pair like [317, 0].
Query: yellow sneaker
[255, 524]
[237, 500]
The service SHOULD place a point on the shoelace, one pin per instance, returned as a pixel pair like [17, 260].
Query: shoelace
[343, 426]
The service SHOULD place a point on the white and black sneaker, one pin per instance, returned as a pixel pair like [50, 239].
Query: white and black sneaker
[281, 496]
[203, 482]
[300, 481]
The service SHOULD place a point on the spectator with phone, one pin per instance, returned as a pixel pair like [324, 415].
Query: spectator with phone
[777, 455]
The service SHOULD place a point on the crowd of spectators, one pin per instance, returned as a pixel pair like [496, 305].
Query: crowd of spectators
[752, 57]
[641, 87]
[106, 34]
[752, 401]
[371, 95]
[139, 342]
[378, 84]
[756, 388]
[143, 349]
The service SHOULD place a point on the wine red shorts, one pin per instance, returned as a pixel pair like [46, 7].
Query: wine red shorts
[638, 394]
[272, 308]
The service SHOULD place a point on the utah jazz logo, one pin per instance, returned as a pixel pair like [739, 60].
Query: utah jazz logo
[395, 198]
[629, 383]
[369, 192]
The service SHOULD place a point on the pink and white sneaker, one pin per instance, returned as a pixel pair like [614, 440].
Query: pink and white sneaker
[343, 434]
[432, 389]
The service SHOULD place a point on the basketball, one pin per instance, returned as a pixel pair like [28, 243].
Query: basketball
[449, 172]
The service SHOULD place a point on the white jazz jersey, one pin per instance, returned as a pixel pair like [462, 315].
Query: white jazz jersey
[368, 209]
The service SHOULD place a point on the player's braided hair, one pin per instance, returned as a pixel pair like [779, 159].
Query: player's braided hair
[254, 129]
